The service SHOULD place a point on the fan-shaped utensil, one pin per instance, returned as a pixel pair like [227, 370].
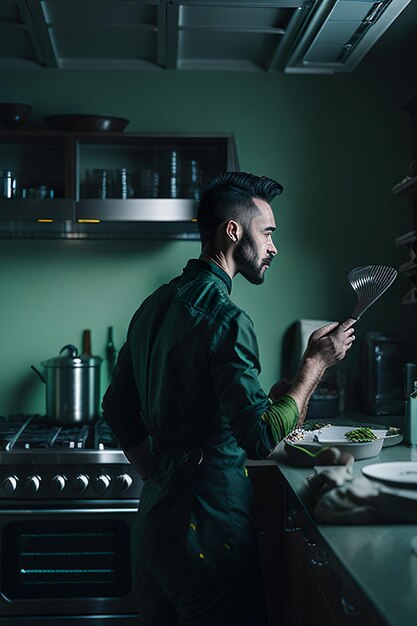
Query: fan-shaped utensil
[369, 283]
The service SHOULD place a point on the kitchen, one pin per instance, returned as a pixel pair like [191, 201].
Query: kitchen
[337, 142]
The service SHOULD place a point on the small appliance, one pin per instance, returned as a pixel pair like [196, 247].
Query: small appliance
[324, 402]
[383, 359]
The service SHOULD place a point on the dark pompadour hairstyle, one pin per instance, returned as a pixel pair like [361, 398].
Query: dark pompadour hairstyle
[230, 196]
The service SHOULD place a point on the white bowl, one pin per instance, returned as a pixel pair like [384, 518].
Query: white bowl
[359, 451]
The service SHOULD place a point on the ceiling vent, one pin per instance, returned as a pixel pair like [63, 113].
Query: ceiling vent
[301, 36]
[339, 33]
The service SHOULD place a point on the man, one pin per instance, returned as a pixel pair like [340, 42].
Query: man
[186, 404]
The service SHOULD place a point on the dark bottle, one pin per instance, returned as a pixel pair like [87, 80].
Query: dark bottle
[87, 342]
[111, 352]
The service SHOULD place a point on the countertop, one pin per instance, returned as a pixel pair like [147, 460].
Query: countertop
[378, 558]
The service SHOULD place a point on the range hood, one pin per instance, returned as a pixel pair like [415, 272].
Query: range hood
[159, 219]
[292, 36]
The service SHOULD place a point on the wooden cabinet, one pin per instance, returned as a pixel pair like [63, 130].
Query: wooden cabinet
[305, 584]
[317, 580]
[269, 496]
[107, 185]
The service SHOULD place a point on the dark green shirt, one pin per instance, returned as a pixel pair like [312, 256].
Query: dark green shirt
[188, 377]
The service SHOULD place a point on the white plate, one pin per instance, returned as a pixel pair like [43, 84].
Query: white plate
[396, 472]
[359, 451]
[336, 434]
[392, 440]
[389, 440]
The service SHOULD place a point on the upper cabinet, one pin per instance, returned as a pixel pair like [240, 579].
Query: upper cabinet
[106, 185]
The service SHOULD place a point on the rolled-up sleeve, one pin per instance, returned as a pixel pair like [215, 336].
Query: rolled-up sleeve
[281, 417]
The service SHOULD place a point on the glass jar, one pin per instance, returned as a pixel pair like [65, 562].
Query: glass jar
[7, 184]
[100, 184]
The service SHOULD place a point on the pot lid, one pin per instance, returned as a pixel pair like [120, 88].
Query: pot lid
[69, 357]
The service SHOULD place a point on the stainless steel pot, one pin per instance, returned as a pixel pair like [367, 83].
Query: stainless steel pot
[72, 387]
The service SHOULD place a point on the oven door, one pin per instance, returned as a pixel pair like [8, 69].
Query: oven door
[68, 563]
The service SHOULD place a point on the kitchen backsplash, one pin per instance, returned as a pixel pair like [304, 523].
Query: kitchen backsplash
[52, 291]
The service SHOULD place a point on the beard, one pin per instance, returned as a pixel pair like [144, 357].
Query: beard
[247, 260]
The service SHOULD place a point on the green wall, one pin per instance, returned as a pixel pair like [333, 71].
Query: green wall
[337, 144]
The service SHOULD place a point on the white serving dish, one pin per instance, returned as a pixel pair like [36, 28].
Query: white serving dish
[335, 435]
[389, 440]
[359, 451]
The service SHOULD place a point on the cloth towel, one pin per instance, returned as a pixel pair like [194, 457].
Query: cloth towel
[341, 498]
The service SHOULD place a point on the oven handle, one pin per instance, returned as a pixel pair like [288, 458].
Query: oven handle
[64, 511]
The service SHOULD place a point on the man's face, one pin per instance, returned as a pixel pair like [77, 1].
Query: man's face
[255, 250]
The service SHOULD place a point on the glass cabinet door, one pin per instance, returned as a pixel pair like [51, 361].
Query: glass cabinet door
[35, 190]
[140, 166]
[36, 163]
[107, 185]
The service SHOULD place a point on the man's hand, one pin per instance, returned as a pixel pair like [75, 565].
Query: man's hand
[329, 344]
[326, 346]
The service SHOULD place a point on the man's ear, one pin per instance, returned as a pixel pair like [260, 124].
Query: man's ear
[233, 230]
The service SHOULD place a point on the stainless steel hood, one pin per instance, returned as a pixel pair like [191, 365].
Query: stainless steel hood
[159, 219]
[294, 36]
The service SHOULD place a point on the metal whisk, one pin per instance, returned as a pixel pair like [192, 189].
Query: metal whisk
[369, 283]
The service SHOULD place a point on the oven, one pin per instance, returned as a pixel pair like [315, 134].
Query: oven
[66, 523]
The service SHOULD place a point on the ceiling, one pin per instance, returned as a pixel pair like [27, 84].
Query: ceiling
[291, 36]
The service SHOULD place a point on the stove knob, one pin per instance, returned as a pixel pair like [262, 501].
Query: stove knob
[81, 483]
[58, 483]
[102, 483]
[123, 482]
[9, 484]
[33, 483]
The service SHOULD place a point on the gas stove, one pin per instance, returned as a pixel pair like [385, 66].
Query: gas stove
[44, 461]
[30, 432]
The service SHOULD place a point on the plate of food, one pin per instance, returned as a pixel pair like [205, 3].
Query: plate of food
[306, 446]
[391, 434]
[333, 435]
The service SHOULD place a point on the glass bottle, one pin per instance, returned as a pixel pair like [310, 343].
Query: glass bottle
[174, 180]
[7, 184]
[100, 184]
[111, 352]
[86, 342]
[410, 430]
[194, 186]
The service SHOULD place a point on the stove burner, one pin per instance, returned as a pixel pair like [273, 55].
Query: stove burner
[25, 432]
[11, 426]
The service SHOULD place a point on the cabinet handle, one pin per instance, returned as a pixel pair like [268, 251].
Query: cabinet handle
[348, 608]
[290, 526]
[320, 559]
[310, 542]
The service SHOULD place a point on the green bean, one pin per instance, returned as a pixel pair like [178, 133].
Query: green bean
[361, 435]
